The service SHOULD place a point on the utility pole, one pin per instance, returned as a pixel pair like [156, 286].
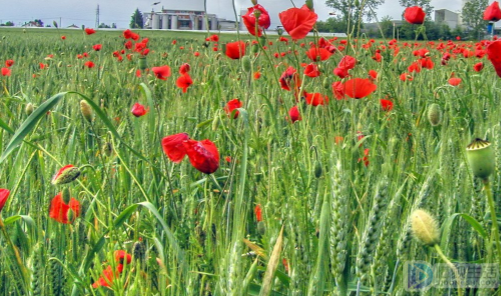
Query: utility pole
[60, 26]
[97, 17]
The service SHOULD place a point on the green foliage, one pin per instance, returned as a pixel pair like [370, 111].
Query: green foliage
[472, 15]
[335, 189]
[136, 21]
[332, 25]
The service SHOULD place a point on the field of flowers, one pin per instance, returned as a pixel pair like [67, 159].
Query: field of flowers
[158, 163]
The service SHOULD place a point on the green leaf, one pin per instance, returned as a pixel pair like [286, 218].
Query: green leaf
[447, 227]
[29, 124]
[6, 127]
[29, 221]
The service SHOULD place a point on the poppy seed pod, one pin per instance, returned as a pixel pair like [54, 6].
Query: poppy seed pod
[434, 114]
[424, 227]
[480, 156]
[142, 63]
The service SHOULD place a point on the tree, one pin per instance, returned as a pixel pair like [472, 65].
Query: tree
[353, 11]
[332, 25]
[424, 4]
[136, 21]
[473, 13]
[7, 24]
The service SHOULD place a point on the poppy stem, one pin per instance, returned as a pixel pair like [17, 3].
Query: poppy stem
[494, 230]
[20, 264]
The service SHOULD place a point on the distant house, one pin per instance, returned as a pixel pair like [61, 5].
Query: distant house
[180, 15]
[445, 16]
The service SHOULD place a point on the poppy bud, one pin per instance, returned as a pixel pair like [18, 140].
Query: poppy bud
[215, 123]
[66, 195]
[139, 251]
[424, 227]
[246, 63]
[480, 156]
[309, 4]
[66, 175]
[262, 41]
[434, 114]
[29, 109]
[261, 228]
[70, 216]
[254, 48]
[142, 63]
[107, 149]
[86, 110]
[318, 170]
[326, 83]
[55, 24]
[254, 2]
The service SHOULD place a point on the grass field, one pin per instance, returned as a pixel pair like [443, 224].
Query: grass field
[319, 203]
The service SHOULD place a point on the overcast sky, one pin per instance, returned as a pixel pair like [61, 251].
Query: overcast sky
[83, 12]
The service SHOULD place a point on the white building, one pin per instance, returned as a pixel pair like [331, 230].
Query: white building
[451, 18]
[180, 15]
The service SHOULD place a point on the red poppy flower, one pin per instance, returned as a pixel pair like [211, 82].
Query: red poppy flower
[404, 76]
[174, 148]
[6, 72]
[365, 159]
[138, 110]
[338, 90]
[184, 82]
[232, 105]
[59, 210]
[263, 19]
[63, 37]
[161, 72]
[311, 70]
[184, 68]
[257, 75]
[4, 195]
[298, 22]
[358, 88]
[9, 63]
[284, 39]
[127, 34]
[347, 62]
[203, 155]
[373, 74]
[387, 105]
[454, 81]
[493, 51]
[97, 47]
[128, 44]
[318, 54]
[478, 67]
[108, 276]
[414, 15]
[492, 12]
[89, 64]
[290, 78]
[120, 255]
[316, 99]
[235, 50]
[213, 38]
[341, 72]
[259, 213]
[90, 31]
[294, 114]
